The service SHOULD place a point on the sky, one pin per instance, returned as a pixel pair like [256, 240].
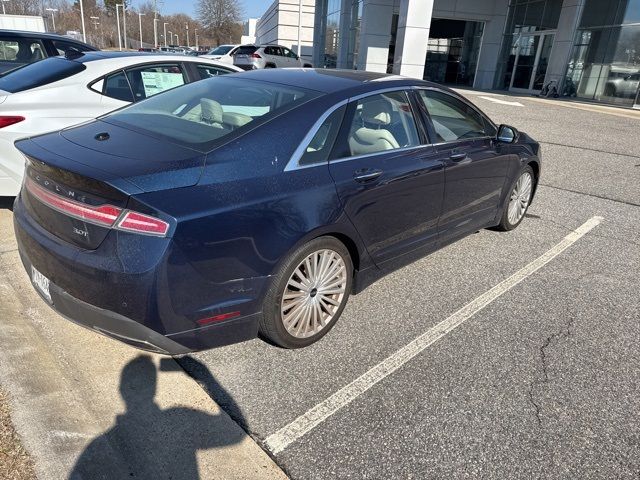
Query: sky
[251, 8]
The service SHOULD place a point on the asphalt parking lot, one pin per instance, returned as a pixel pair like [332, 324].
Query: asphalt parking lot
[507, 377]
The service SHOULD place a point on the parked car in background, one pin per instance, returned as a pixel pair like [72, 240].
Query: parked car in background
[175, 230]
[62, 91]
[253, 57]
[623, 85]
[222, 53]
[21, 48]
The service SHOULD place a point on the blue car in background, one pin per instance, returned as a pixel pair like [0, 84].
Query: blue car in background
[256, 203]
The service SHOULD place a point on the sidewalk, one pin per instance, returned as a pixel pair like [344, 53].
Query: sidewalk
[87, 407]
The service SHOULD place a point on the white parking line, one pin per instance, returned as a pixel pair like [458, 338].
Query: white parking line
[502, 102]
[284, 437]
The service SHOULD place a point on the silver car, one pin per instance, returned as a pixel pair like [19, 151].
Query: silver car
[253, 57]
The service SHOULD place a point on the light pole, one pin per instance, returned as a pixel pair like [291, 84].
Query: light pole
[155, 32]
[171, 36]
[118, 5]
[124, 20]
[187, 25]
[165, 34]
[53, 15]
[3, 10]
[195, 32]
[140, 15]
[299, 23]
[84, 32]
[177, 39]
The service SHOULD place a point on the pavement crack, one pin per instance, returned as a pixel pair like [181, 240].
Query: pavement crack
[2, 252]
[537, 383]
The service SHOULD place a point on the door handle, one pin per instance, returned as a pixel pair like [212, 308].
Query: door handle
[456, 157]
[367, 175]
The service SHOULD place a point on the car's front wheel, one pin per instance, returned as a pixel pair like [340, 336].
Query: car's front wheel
[307, 294]
[518, 201]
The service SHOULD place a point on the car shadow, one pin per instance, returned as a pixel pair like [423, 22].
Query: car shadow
[149, 442]
[6, 203]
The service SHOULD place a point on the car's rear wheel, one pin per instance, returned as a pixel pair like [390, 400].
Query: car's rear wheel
[308, 294]
[518, 200]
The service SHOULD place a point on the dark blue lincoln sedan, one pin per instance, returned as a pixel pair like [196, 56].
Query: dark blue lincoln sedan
[256, 203]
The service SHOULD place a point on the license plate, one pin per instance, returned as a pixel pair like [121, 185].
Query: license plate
[41, 283]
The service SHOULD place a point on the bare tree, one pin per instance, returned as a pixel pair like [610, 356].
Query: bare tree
[220, 18]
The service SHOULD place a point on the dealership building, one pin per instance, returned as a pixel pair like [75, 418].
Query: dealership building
[589, 48]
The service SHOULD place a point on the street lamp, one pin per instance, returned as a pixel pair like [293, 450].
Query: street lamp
[124, 19]
[177, 39]
[118, 5]
[140, 15]
[170, 36]
[187, 25]
[84, 31]
[53, 15]
[165, 34]
[195, 32]
[3, 11]
[155, 31]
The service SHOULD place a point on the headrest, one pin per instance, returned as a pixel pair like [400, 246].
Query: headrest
[377, 111]
[211, 111]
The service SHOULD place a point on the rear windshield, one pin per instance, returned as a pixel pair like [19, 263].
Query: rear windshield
[39, 73]
[246, 50]
[202, 114]
[221, 50]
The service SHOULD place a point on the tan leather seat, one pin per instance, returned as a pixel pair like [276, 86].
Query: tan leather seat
[211, 112]
[373, 136]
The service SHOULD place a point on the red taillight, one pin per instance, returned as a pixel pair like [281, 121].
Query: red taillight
[137, 222]
[255, 55]
[218, 318]
[5, 121]
[103, 215]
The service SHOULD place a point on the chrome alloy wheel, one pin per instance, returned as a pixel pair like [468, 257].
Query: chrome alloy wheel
[520, 198]
[314, 293]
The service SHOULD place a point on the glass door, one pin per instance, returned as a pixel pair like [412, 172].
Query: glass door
[532, 59]
[637, 102]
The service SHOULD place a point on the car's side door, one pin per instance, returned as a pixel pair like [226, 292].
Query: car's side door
[292, 58]
[387, 177]
[476, 165]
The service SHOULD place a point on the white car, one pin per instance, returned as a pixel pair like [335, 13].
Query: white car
[223, 53]
[60, 92]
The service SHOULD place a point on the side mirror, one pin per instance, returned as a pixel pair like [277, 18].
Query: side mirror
[507, 134]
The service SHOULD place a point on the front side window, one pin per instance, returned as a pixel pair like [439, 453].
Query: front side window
[202, 113]
[382, 122]
[322, 142]
[150, 80]
[452, 119]
[289, 53]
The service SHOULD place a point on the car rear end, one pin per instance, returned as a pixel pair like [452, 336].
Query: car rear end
[248, 57]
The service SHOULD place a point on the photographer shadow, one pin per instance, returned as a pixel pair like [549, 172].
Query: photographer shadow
[149, 442]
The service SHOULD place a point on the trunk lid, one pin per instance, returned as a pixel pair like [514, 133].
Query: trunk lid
[98, 166]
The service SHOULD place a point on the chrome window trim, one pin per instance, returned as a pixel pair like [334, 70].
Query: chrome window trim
[294, 161]
[381, 152]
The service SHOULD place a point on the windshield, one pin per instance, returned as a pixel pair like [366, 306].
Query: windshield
[38, 74]
[221, 50]
[204, 113]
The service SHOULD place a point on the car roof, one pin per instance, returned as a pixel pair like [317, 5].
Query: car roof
[88, 57]
[43, 35]
[329, 80]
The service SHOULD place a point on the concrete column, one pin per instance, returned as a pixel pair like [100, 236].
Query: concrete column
[319, 32]
[375, 34]
[563, 42]
[344, 49]
[412, 37]
[490, 49]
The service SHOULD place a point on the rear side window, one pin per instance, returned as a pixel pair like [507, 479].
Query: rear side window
[63, 46]
[150, 80]
[245, 50]
[208, 71]
[116, 86]
[38, 74]
[202, 113]
[322, 142]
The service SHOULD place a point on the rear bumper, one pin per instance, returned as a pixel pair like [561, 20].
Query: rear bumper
[90, 276]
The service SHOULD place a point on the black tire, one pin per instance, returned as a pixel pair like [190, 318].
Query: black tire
[307, 65]
[269, 65]
[505, 224]
[272, 326]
